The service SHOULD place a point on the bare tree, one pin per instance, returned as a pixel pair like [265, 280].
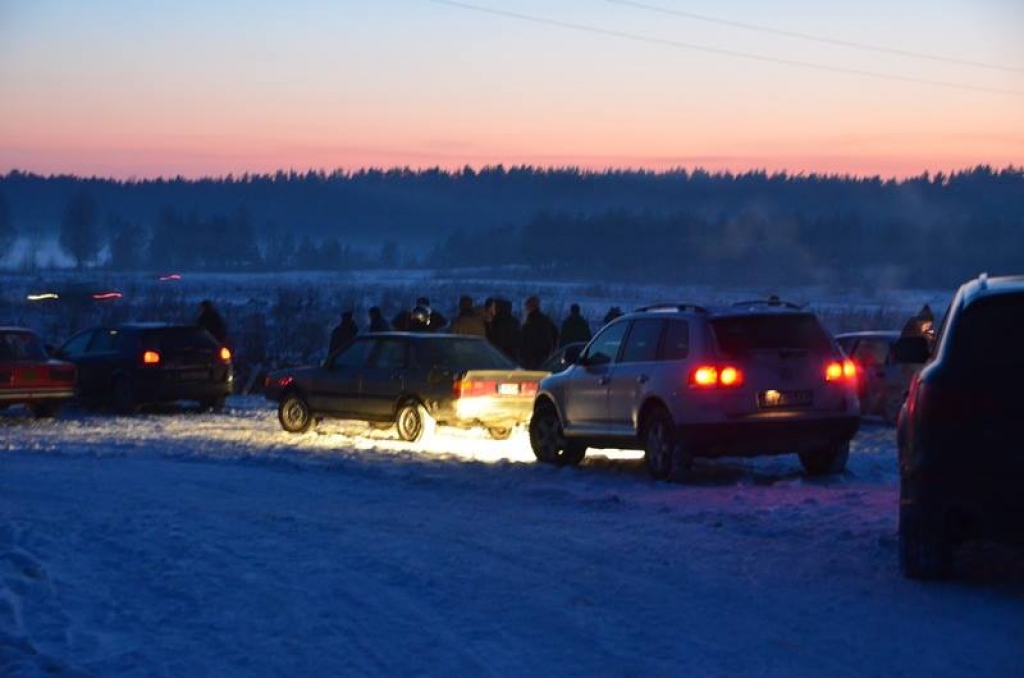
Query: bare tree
[79, 235]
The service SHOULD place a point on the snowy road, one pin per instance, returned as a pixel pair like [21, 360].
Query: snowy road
[206, 545]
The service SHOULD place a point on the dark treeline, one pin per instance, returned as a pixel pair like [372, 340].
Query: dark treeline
[678, 225]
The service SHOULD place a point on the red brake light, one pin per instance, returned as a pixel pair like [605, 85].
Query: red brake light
[469, 388]
[150, 358]
[836, 370]
[225, 353]
[284, 381]
[713, 376]
[528, 388]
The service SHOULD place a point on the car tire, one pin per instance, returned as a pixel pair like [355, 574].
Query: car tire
[664, 454]
[923, 554]
[500, 432]
[413, 423]
[44, 410]
[294, 414]
[215, 405]
[548, 442]
[828, 460]
[122, 396]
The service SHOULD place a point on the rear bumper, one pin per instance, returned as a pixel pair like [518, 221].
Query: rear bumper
[160, 388]
[966, 508]
[767, 436]
[484, 411]
[36, 394]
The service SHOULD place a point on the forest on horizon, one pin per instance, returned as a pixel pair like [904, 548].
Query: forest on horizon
[675, 226]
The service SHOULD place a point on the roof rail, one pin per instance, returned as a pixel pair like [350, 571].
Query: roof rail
[983, 281]
[773, 300]
[694, 308]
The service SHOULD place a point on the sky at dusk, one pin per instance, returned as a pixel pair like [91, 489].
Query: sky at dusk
[145, 89]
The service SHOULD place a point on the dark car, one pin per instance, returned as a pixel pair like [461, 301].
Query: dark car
[960, 449]
[883, 381]
[412, 380]
[28, 376]
[139, 364]
[681, 381]
[563, 357]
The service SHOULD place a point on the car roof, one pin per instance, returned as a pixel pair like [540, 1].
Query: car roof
[11, 328]
[870, 334]
[769, 306]
[983, 286]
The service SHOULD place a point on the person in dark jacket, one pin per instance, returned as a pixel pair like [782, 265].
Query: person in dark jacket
[470, 320]
[345, 332]
[539, 338]
[503, 330]
[377, 321]
[613, 313]
[920, 325]
[209, 319]
[575, 327]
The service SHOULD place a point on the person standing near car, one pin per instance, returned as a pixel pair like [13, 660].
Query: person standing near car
[575, 327]
[211, 321]
[377, 321]
[503, 331]
[469, 321]
[540, 336]
[343, 333]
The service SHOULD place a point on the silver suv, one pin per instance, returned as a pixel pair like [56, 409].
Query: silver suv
[682, 381]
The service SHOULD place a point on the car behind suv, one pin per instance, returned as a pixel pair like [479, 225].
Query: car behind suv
[149, 363]
[960, 451]
[683, 381]
[883, 379]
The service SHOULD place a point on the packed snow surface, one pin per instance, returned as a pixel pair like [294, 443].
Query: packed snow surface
[185, 544]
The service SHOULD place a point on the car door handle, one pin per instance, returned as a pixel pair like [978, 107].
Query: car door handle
[603, 381]
[642, 379]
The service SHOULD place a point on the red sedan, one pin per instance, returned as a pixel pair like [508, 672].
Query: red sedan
[28, 376]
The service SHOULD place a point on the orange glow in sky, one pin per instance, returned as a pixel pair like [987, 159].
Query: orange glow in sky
[123, 89]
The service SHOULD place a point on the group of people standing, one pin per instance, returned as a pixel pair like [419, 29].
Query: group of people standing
[528, 343]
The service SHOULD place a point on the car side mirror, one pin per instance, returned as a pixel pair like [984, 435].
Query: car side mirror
[912, 350]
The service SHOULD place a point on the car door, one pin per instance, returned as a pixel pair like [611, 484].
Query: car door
[384, 378]
[631, 373]
[93, 372]
[586, 403]
[872, 357]
[335, 386]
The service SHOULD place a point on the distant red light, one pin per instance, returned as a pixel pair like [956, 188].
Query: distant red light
[105, 296]
[170, 277]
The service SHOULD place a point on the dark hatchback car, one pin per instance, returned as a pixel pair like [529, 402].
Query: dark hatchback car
[133, 365]
[960, 448]
[412, 380]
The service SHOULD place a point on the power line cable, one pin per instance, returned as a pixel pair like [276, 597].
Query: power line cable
[815, 38]
[722, 51]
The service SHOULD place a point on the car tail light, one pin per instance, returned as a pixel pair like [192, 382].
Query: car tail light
[150, 358]
[225, 354]
[528, 388]
[715, 376]
[285, 380]
[841, 370]
[470, 388]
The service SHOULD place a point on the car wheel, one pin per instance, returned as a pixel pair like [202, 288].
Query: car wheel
[413, 423]
[122, 396]
[827, 460]
[548, 442]
[891, 408]
[500, 432]
[663, 451]
[923, 554]
[44, 410]
[294, 414]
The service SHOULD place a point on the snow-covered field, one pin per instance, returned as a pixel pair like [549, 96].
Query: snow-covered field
[183, 544]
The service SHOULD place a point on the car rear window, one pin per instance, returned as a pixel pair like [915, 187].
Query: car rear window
[21, 346]
[179, 339]
[740, 335]
[462, 354]
[991, 332]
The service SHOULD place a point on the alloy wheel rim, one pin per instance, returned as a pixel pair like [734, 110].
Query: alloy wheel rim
[295, 413]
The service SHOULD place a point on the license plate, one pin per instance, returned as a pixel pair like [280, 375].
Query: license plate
[194, 375]
[508, 389]
[772, 399]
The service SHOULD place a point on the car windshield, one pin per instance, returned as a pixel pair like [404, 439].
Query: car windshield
[463, 354]
[740, 335]
[991, 332]
[21, 346]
